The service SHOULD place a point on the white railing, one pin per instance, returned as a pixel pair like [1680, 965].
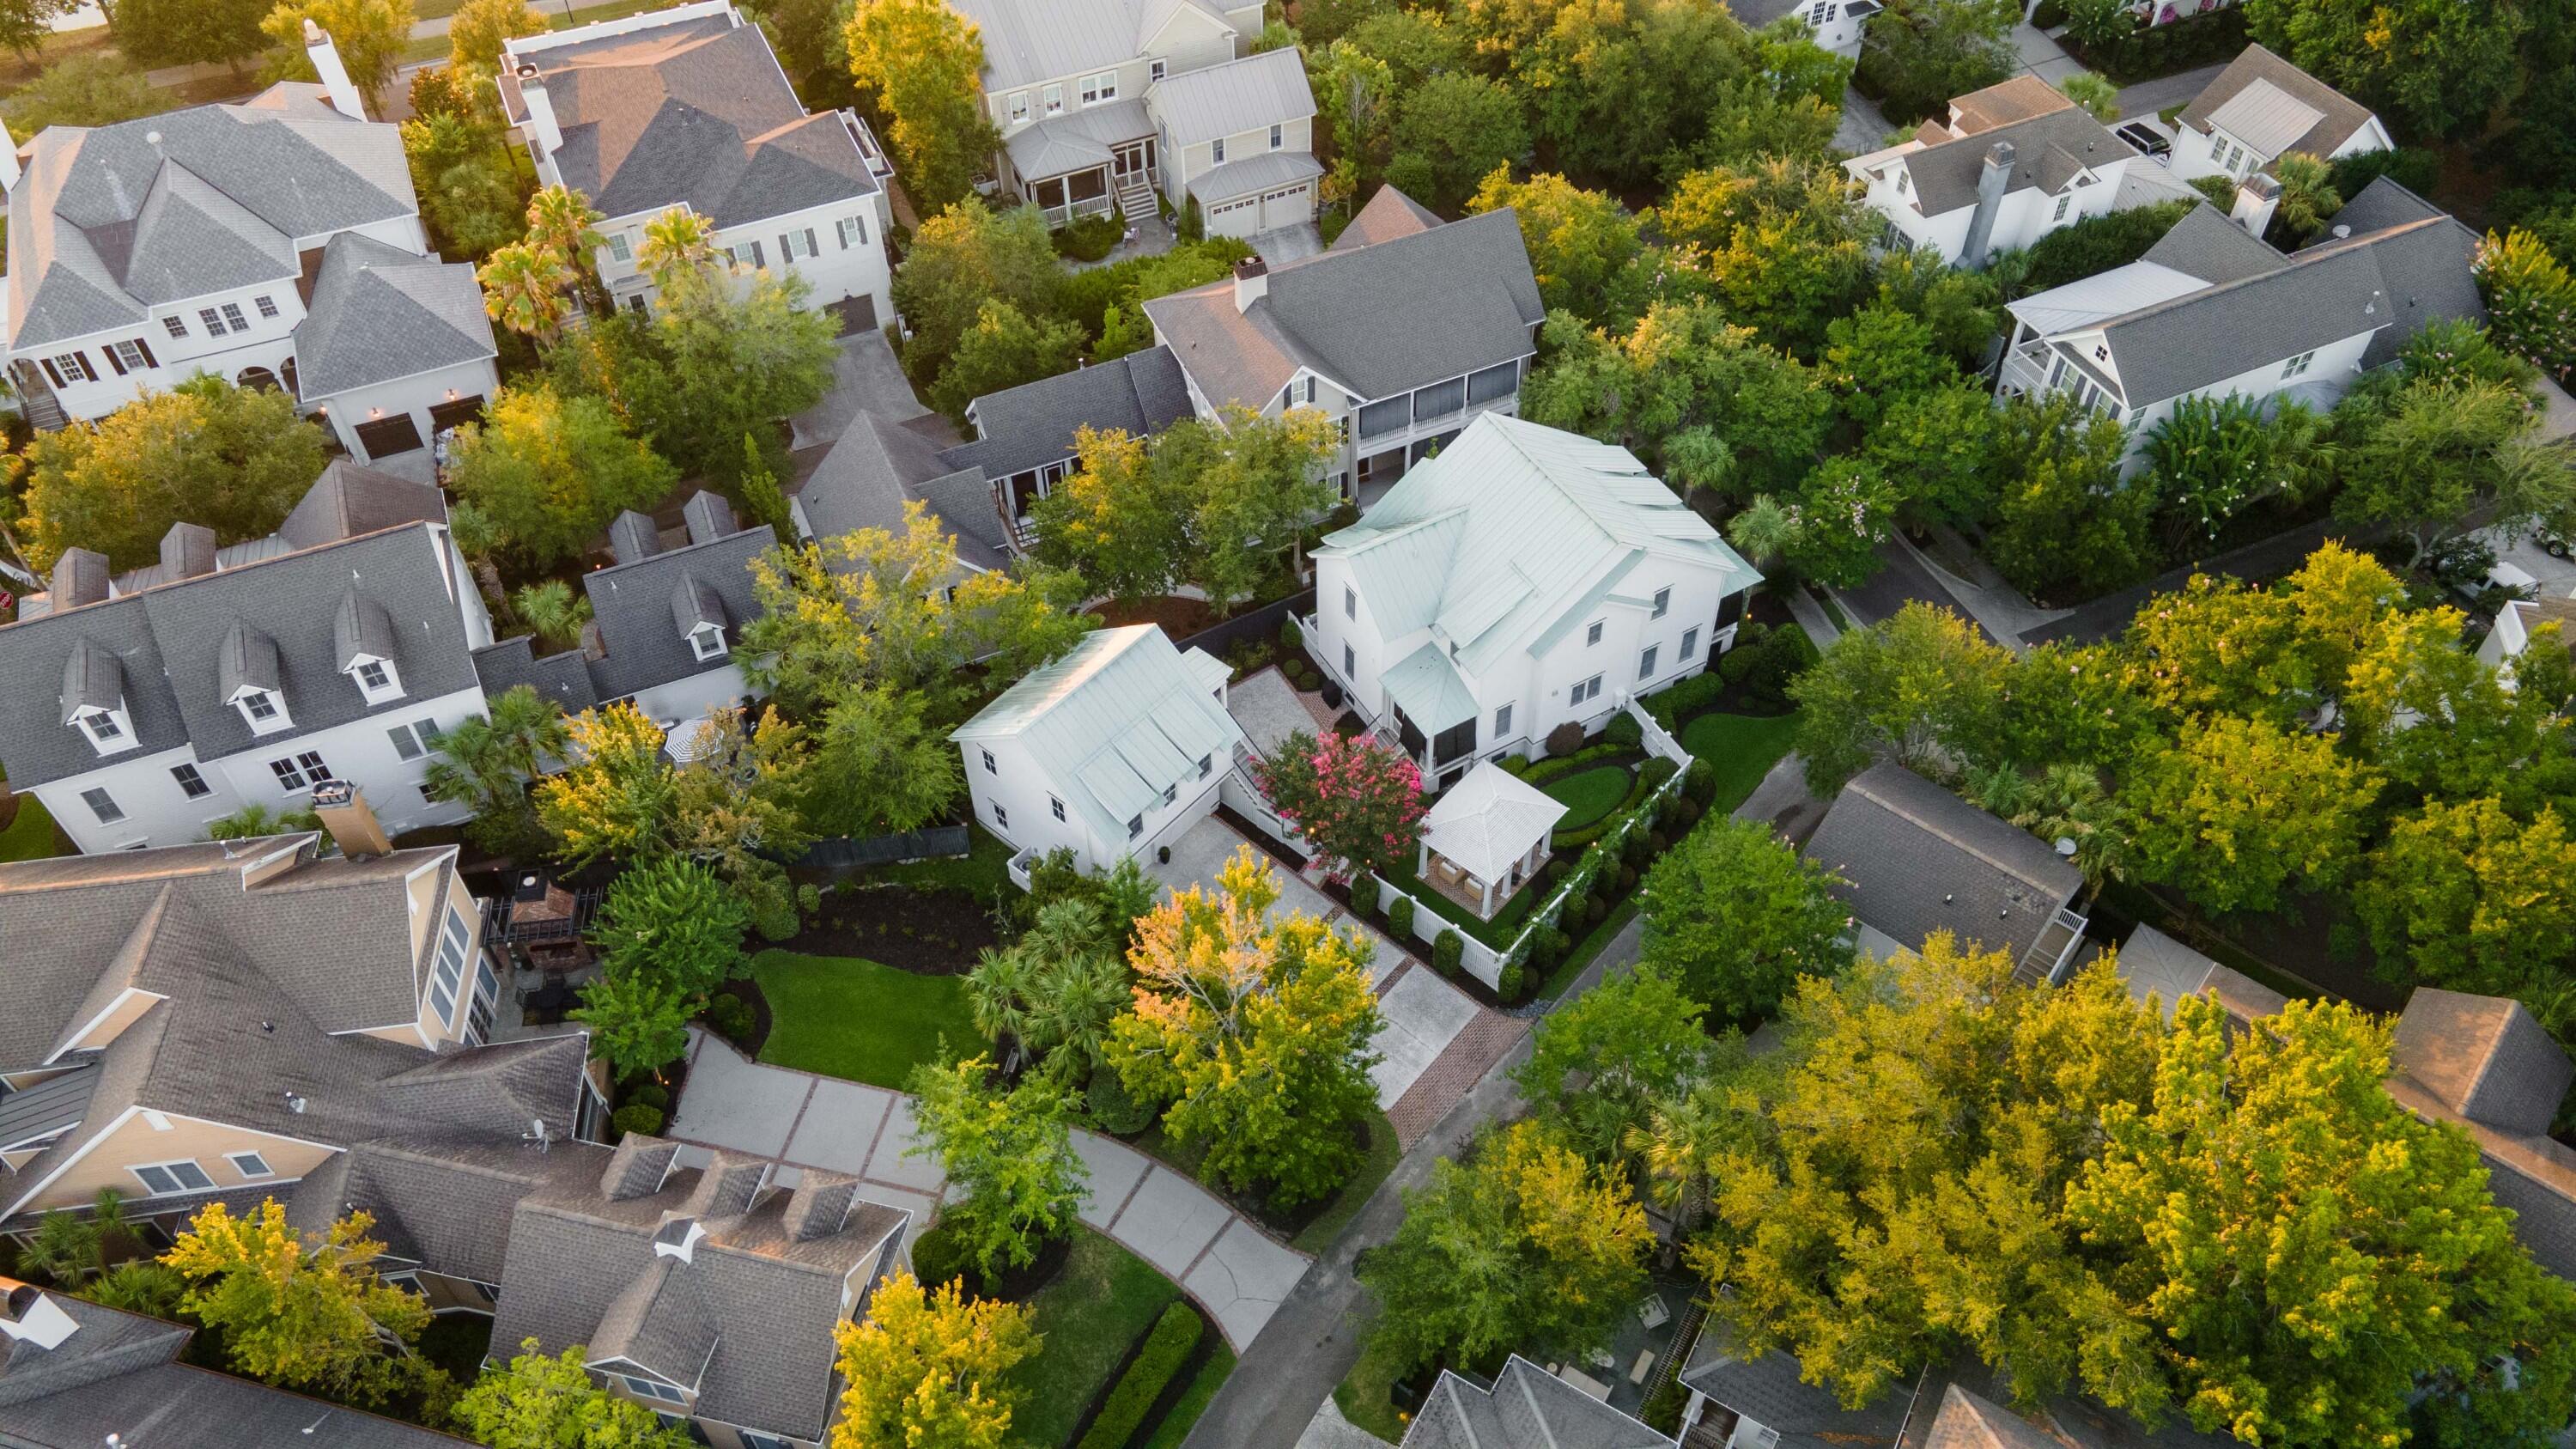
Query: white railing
[1057, 216]
[2025, 370]
[1020, 866]
[878, 164]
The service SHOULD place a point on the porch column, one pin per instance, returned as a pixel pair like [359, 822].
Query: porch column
[1485, 909]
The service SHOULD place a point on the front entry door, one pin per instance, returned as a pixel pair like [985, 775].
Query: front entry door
[1135, 159]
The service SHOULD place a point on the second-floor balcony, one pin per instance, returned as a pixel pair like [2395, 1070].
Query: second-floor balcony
[2025, 370]
[1439, 407]
[879, 165]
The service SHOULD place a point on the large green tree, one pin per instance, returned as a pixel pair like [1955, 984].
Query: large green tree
[1014, 1180]
[1601, 1062]
[1587, 251]
[1684, 371]
[304, 1314]
[674, 919]
[370, 36]
[878, 767]
[1736, 916]
[1920, 53]
[930, 1368]
[961, 259]
[1005, 348]
[2309, 1253]
[231, 458]
[2432, 69]
[2239, 811]
[550, 471]
[924, 63]
[1255, 1028]
[1523, 1246]
[2437, 456]
[82, 90]
[1451, 132]
[1923, 687]
[2468, 897]
[189, 32]
[541, 1402]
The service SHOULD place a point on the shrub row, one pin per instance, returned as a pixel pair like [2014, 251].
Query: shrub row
[1539, 772]
[1174, 1338]
[1652, 773]
[1671, 706]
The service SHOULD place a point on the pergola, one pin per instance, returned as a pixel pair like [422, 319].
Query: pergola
[1486, 837]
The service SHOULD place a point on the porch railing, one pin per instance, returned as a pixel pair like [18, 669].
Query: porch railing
[879, 164]
[2025, 370]
[1057, 216]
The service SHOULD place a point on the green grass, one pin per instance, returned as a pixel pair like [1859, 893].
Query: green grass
[30, 836]
[1742, 748]
[1580, 954]
[1105, 1298]
[1589, 795]
[1318, 1235]
[1366, 1395]
[1193, 1400]
[845, 1017]
[983, 872]
[1498, 933]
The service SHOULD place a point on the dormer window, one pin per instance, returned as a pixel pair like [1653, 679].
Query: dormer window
[373, 677]
[107, 729]
[261, 710]
[708, 642]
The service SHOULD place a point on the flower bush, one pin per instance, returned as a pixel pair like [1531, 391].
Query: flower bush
[1355, 798]
[2531, 300]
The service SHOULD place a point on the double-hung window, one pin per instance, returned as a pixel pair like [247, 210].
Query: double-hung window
[300, 772]
[1019, 108]
[620, 248]
[191, 784]
[447, 973]
[129, 356]
[1350, 663]
[653, 1389]
[2217, 147]
[1646, 661]
[1001, 815]
[1055, 807]
[1099, 88]
[1157, 69]
[1217, 146]
[1592, 635]
[1503, 723]
[749, 254]
[2063, 202]
[161, 1179]
[1051, 100]
[2299, 364]
[794, 244]
[990, 768]
[1690, 645]
[1584, 691]
[411, 741]
[267, 305]
[1663, 602]
[1350, 602]
[1276, 133]
[233, 315]
[1135, 826]
[214, 321]
[103, 805]
[854, 232]
[177, 324]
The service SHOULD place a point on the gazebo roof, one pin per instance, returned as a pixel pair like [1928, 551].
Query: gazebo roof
[1490, 819]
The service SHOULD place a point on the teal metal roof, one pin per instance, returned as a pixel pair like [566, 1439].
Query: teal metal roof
[1115, 723]
[1426, 686]
[1514, 527]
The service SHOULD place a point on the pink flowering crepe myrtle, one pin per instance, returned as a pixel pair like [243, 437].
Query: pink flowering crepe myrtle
[1357, 800]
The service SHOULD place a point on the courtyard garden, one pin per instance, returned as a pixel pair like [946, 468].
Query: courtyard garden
[846, 1016]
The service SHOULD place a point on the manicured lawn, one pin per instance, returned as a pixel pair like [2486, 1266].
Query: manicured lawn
[984, 871]
[1742, 748]
[30, 836]
[1194, 1399]
[1498, 933]
[1382, 1154]
[1581, 953]
[1588, 795]
[844, 1017]
[1366, 1396]
[1094, 1310]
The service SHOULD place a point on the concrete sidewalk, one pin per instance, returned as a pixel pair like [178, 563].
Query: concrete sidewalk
[1229, 1264]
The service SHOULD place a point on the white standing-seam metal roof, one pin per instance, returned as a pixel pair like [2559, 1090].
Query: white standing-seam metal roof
[1490, 819]
[1234, 97]
[1496, 542]
[2266, 117]
[1116, 723]
[1426, 686]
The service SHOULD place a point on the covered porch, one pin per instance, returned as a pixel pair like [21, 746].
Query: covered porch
[1089, 163]
[1486, 838]
[1431, 715]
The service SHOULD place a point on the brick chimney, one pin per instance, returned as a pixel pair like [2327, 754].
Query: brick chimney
[1251, 282]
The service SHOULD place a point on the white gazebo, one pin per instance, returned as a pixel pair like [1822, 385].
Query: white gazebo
[1486, 837]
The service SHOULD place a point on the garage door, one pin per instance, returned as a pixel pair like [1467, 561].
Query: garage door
[1235, 218]
[448, 414]
[384, 437]
[1290, 207]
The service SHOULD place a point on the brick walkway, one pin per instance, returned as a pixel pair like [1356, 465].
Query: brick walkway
[1442, 1085]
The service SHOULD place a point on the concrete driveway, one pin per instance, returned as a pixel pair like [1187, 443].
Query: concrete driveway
[1235, 1270]
[1288, 243]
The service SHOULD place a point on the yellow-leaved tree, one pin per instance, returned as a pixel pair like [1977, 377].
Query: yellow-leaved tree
[304, 1314]
[930, 1369]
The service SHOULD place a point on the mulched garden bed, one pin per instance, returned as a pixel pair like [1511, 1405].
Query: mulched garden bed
[1019, 1284]
[1179, 617]
[928, 933]
[1261, 839]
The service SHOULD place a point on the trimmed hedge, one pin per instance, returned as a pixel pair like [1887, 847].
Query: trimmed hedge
[1446, 949]
[1399, 917]
[940, 1256]
[1174, 1338]
[1624, 731]
[636, 1117]
[1669, 705]
[1364, 891]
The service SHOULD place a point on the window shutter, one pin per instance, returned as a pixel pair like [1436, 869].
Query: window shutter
[145, 348]
[811, 249]
[51, 371]
[843, 230]
[113, 360]
[757, 258]
[786, 248]
[88, 373]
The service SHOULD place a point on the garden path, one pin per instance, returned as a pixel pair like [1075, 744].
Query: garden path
[1227, 1263]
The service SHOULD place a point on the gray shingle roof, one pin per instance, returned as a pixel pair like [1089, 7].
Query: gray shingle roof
[1769, 1391]
[351, 498]
[1027, 41]
[2338, 115]
[696, 112]
[179, 1406]
[878, 466]
[662, 1324]
[1969, 1422]
[247, 659]
[2396, 279]
[1253, 173]
[1917, 859]
[1388, 215]
[563, 678]
[2205, 244]
[379, 313]
[1526, 1408]
[1033, 424]
[1380, 320]
[2047, 149]
[105, 1343]
[361, 628]
[2486, 1057]
[633, 606]
[1237, 96]
[110, 221]
[32, 1114]
[92, 679]
[769, 1297]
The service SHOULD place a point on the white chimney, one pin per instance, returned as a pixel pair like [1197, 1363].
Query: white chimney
[2257, 197]
[29, 1315]
[1251, 282]
[335, 76]
[543, 134]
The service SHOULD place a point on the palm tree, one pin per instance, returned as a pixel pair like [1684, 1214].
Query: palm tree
[1766, 529]
[2308, 195]
[70, 1249]
[997, 993]
[1679, 1142]
[139, 1286]
[523, 289]
[1069, 1022]
[560, 221]
[486, 764]
[678, 245]
[554, 611]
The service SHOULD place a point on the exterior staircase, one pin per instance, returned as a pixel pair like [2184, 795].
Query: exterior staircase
[1136, 198]
[37, 400]
[2046, 959]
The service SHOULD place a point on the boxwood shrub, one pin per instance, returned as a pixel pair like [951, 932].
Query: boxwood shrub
[1174, 1338]
[1446, 949]
[1399, 919]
